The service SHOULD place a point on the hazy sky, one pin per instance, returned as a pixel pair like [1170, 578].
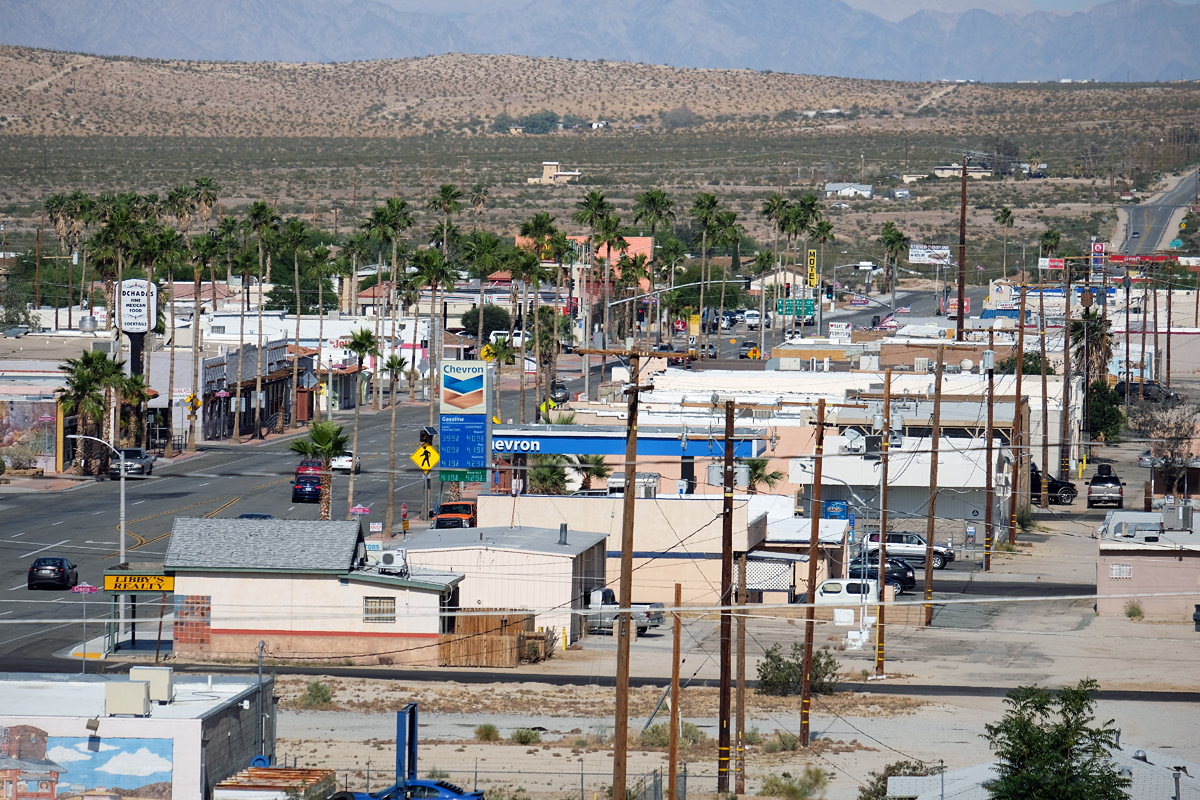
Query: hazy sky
[888, 9]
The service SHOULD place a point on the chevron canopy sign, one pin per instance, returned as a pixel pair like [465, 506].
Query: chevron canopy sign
[463, 394]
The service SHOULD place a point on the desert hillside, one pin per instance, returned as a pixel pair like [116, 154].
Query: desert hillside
[47, 93]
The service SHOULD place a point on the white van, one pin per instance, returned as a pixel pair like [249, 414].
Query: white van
[844, 592]
[516, 337]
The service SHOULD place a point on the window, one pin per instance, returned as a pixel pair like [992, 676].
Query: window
[379, 609]
[1118, 571]
[216, 329]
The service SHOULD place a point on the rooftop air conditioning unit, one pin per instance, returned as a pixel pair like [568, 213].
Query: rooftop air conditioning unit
[127, 698]
[160, 679]
[394, 558]
[921, 364]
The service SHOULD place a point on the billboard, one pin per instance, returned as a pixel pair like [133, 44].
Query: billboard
[464, 385]
[139, 306]
[1052, 263]
[463, 402]
[928, 254]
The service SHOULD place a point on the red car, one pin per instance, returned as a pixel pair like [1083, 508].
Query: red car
[309, 466]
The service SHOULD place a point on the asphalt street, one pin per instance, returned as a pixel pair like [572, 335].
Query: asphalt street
[1148, 221]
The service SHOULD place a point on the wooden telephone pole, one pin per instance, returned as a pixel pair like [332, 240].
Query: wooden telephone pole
[723, 737]
[810, 624]
[673, 755]
[1017, 429]
[934, 435]
[880, 626]
[988, 536]
[623, 624]
[739, 783]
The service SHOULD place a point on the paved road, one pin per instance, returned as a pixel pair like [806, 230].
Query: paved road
[1148, 222]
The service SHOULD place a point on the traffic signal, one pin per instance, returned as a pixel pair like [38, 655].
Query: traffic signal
[641, 315]
[428, 434]
[787, 290]
[747, 286]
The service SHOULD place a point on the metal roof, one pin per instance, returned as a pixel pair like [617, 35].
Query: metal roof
[262, 545]
[534, 540]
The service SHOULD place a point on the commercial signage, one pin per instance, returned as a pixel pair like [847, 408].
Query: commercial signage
[1052, 263]
[950, 308]
[465, 422]
[836, 509]
[139, 583]
[928, 254]
[807, 306]
[859, 300]
[812, 268]
[139, 306]
[1097, 254]
[463, 475]
[839, 332]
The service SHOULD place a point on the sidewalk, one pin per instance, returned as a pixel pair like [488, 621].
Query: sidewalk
[51, 482]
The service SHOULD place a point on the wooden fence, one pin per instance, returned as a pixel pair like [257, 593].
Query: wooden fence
[486, 637]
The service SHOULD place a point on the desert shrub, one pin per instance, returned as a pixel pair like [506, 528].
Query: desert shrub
[581, 743]
[811, 784]
[781, 676]
[21, 457]
[690, 734]
[788, 742]
[526, 736]
[1025, 518]
[752, 736]
[1133, 610]
[316, 695]
[656, 735]
[487, 732]
[772, 746]
[435, 774]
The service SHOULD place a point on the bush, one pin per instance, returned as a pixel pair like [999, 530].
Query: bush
[487, 732]
[752, 736]
[656, 735]
[1024, 518]
[526, 736]
[21, 457]
[809, 785]
[690, 734]
[772, 746]
[316, 695]
[788, 742]
[436, 774]
[1133, 610]
[782, 677]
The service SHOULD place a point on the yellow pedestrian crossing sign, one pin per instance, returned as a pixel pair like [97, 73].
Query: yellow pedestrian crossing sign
[426, 458]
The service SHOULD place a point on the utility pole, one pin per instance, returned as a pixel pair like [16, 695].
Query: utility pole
[810, 609]
[1170, 297]
[673, 756]
[1157, 352]
[1064, 444]
[37, 281]
[1018, 428]
[723, 738]
[739, 784]
[880, 625]
[1142, 358]
[1045, 491]
[989, 360]
[934, 434]
[962, 256]
[623, 624]
[1128, 368]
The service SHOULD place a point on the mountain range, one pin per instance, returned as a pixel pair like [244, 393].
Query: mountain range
[1139, 40]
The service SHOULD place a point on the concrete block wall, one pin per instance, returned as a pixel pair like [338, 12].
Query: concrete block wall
[231, 734]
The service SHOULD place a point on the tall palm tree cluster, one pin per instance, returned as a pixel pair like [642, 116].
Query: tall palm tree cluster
[96, 387]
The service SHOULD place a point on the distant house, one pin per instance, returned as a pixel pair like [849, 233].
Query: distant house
[849, 190]
[902, 194]
[553, 174]
[955, 171]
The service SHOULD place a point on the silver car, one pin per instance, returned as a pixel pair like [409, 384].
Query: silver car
[910, 547]
[137, 462]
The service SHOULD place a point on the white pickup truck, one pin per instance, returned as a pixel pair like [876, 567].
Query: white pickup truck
[602, 610]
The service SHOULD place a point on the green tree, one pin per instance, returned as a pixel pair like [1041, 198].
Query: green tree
[1032, 365]
[764, 260]
[433, 272]
[1047, 747]
[293, 236]
[484, 255]
[1105, 418]
[547, 473]
[1005, 219]
[1049, 242]
[653, 207]
[325, 441]
[395, 365]
[540, 122]
[87, 378]
[590, 468]
[704, 210]
[895, 244]
[1092, 343]
[759, 474]
[876, 786]
[362, 343]
[495, 318]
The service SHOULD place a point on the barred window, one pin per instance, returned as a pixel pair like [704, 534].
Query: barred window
[1120, 571]
[218, 329]
[379, 609]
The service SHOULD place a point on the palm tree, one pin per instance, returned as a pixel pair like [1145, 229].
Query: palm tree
[263, 220]
[135, 390]
[168, 250]
[773, 210]
[84, 396]
[758, 474]
[326, 442]
[653, 207]
[590, 468]
[394, 365]
[563, 250]
[319, 266]
[764, 260]
[409, 296]
[1092, 344]
[478, 197]
[589, 211]
[205, 193]
[704, 210]
[1005, 219]
[482, 253]
[83, 213]
[362, 343]
[728, 233]
[382, 227]
[245, 262]
[1049, 241]
[502, 353]
[433, 271]
[526, 266]
[446, 202]
[895, 243]
[608, 235]
[293, 236]
[207, 249]
[822, 233]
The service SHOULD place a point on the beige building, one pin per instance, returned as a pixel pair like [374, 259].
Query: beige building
[553, 174]
[303, 587]
[546, 570]
[1150, 553]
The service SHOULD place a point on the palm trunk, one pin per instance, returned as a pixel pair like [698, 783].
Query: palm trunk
[479, 332]
[320, 338]
[358, 387]
[237, 391]
[171, 378]
[296, 356]
[114, 425]
[433, 351]
[537, 355]
[197, 389]
[703, 264]
[413, 375]
[258, 398]
[326, 490]
[524, 339]
[391, 497]
[375, 376]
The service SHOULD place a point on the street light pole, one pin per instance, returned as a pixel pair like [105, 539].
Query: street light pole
[121, 468]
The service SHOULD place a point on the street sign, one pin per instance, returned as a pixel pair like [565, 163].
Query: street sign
[360, 510]
[859, 301]
[839, 332]
[404, 511]
[138, 305]
[376, 527]
[805, 307]
[426, 458]
[138, 583]
[84, 588]
[404, 525]
[222, 394]
[464, 475]
[679, 325]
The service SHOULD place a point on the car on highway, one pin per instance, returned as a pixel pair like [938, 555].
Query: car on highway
[309, 466]
[910, 547]
[252, 515]
[345, 463]
[1135, 235]
[558, 392]
[745, 347]
[465, 512]
[1105, 488]
[52, 571]
[137, 462]
[1061, 492]
[306, 489]
[900, 574]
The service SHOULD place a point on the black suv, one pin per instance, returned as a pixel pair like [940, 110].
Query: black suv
[1061, 492]
[1154, 392]
[900, 573]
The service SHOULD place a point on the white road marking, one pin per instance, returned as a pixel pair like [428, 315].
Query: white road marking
[138, 503]
[19, 586]
[60, 522]
[22, 533]
[97, 512]
[5, 613]
[203, 484]
[47, 547]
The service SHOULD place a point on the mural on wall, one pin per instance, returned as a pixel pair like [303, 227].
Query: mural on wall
[34, 766]
[30, 426]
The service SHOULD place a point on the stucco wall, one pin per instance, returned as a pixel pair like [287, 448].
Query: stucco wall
[1153, 571]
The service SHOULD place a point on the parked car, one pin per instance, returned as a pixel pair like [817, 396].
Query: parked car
[462, 511]
[900, 575]
[255, 516]
[843, 592]
[306, 489]
[1061, 492]
[1147, 460]
[345, 463]
[137, 462]
[679, 359]
[52, 571]
[309, 466]
[1105, 488]
[558, 392]
[745, 347]
[1135, 235]
[602, 610]
[841, 205]
[740, 315]
[910, 547]
[752, 320]
[1153, 392]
